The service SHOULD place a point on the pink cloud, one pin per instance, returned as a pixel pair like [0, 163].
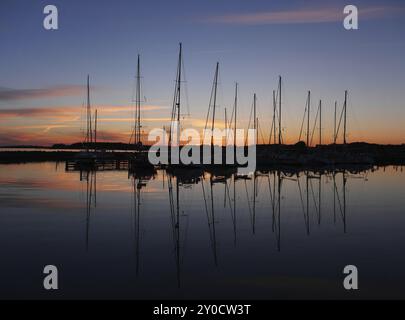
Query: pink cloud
[302, 15]
[24, 94]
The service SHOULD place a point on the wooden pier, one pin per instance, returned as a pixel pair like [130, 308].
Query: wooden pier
[99, 165]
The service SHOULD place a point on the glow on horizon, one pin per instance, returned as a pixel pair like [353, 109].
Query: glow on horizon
[46, 127]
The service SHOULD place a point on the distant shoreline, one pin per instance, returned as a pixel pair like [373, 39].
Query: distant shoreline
[266, 155]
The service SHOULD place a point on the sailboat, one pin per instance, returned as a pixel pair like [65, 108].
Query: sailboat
[218, 170]
[88, 157]
[139, 159]
[176, 167]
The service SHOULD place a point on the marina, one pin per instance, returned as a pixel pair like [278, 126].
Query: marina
[273, 153]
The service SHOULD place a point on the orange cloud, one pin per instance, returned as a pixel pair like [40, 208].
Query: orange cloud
[62, 124]
[40, 135]
[131, 120]
[70, 113]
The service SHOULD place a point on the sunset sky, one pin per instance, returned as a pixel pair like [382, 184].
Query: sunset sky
[43, 73]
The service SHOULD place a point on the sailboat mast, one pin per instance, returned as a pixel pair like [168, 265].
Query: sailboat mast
[236, 107]
[334, 127]
[345, 119]
[226, 120]
[279, 113]
[95, 131]
[87, 112]
[89, 129]
[215, 102]
[177, 96]
[309, 111]
[179, 85]
[274, 116]
[137, 139]
[320, 122]
[254, 115]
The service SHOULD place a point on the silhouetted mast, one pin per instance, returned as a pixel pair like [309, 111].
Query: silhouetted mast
[89, 129]
[274, 116]
[345, 119]
[226, 120]
[234, 125]
[95, 131]
[177, 97]
[320, 122]
[179, 84]
[254, 115]
[318, 114]
[279, 112]
[309, 112]
[344, 115]
[214, 104]
[334, 127]
[137, 137]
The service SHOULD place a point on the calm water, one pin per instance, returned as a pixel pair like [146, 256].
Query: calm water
[275, 236]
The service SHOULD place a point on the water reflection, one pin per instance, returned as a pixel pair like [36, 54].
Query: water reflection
[139, 181]
[211, 229]
[91, 198]
[265, 184]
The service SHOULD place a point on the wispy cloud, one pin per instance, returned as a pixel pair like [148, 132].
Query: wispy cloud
[61, 124]
[43, 128]
[111, 109]
[71, 113]
[36, 136]
[25, 94]
[40, 135]
[35, 112]
[301, 15]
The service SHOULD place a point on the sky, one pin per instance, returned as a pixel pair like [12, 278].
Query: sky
[43, 72]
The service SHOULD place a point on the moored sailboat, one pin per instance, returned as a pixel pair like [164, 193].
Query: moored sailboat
[88, 157]
[139, 159]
